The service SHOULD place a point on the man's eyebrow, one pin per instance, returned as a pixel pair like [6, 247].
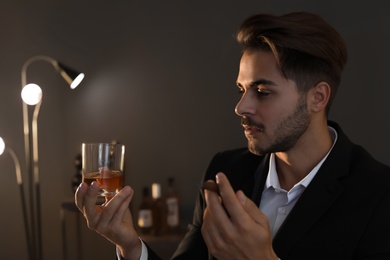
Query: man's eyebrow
[262, 82]
[258, 82]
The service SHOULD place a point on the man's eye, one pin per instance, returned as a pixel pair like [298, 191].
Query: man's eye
[262, 92]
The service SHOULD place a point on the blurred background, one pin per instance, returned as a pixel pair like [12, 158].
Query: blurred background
[160, 78]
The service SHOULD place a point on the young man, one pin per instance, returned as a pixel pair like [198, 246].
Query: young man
[301, 190]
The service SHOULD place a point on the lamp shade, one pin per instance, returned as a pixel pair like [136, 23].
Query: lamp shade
[71, 76]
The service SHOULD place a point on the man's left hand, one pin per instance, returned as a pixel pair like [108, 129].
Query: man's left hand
[233, 226]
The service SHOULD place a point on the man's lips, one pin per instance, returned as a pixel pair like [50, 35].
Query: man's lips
[251, 127]
[251, 130]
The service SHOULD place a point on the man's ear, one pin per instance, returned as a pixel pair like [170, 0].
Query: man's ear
[319, 96]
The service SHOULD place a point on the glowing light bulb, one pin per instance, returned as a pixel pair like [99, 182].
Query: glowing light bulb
[2, 146]
[31, 94]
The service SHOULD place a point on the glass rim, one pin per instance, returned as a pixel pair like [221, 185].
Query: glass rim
[97, 143]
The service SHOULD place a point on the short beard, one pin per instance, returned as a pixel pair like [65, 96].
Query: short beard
[287, 133]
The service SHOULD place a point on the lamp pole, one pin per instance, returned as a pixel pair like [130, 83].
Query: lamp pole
[19, 181]
[32, 166]
[73, 78]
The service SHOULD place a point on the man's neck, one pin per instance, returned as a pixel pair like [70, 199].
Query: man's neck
[292, 166]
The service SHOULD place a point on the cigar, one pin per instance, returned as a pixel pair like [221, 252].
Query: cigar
[211, 186]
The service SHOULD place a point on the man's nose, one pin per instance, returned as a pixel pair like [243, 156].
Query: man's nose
[246, 105]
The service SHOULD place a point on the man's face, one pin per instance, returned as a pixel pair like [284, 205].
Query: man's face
[273, 113]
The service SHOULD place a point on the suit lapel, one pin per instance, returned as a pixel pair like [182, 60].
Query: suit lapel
[312, 204]
[259, 179]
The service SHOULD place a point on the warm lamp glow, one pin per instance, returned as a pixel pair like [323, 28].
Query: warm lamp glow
[31, 94]
[77, 81]
[2, 146]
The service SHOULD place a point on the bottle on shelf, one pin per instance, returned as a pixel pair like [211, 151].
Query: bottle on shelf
[172, 205]
[158, 211]
[145, 214]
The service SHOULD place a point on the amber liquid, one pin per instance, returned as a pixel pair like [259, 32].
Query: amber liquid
[110, 182]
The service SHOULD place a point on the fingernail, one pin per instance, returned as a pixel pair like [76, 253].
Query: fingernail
[94, 185]
[217, 177]
[241, 197]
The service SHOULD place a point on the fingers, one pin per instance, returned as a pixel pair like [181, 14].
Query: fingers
[237, 204]
[90, 198]
[213, 217]
[227, 217]
[79, 196]
[229, 199]
[100, 217]
[215, 206]
[116, 208]
[221, 201]
[217, 224]
[219, 232]
[112, 219]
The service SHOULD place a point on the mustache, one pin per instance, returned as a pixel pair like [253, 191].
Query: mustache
[249, 122]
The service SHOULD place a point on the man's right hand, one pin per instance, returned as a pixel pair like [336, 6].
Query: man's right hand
[112, 219]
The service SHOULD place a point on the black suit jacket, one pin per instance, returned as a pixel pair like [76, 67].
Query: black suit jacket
[343, 214]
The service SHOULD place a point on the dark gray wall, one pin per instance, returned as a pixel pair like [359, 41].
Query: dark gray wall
[160, 78]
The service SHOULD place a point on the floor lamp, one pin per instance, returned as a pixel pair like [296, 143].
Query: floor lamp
[19, 180]
[32, 95]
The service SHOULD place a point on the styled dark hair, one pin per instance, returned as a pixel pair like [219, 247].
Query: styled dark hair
[307, 49]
